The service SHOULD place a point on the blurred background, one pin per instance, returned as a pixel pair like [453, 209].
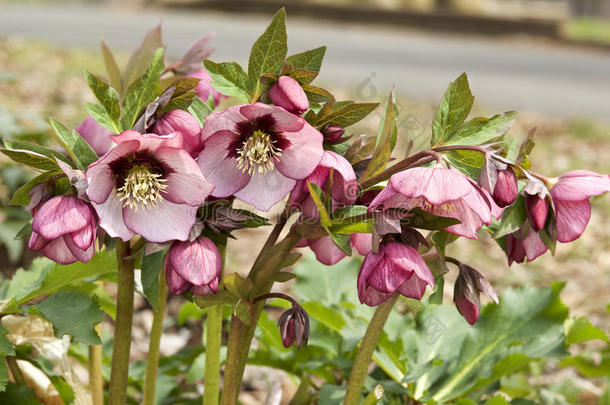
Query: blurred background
[547, 59]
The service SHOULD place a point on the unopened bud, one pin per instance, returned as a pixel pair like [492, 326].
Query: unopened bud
[537, 211]
[294, 327]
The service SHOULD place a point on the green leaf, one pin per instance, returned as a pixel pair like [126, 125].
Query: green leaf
[580, 329]
[238, 286]
[316, 192]
[200, 109]
[331, 318]
[114, 74]
[453, 110]
[77, 147]
[3, 377]
[143, 91]
[41, 150]
[588, 365]
[424, 220]
[14, 393]
[32, 159]
[6, 346]
[152, 265]
[342, 241]
[108, 98]
[513, 218]
[268, 52]
[386, 140]
[348, 114]
[222, 297]
[100, 115]
[310, 60]
[317, 94]
[141, 58]
[229, 78]
[84, 313]
[480, 130]
[468, 162]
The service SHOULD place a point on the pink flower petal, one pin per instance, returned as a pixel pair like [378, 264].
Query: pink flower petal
[303, 153]
[98, 137]
[221, 121]
[85, 237]
[61, 215]
[183, 122]
[198, 262]
[219, 168]
[533, 245]
[58, 251]
[265, 190]
[185, 183]
[572, 218]
[284, 121]
[99, 175]
[437, 184]
[83, 255]
[175, 283]
[362, 242]
[167, 221]
[326, 251]
[580, 185]
[111, 217]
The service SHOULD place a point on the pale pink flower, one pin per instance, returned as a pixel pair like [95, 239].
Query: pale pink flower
[99, 138]
[288, 94]
[258, 152]
[64, 230]
[395, 268]
[183, 122]
[148, 185]
[194, 266]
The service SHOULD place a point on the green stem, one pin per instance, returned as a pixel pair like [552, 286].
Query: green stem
[374, 396]
[213, 342]
[15, 371]
[365, 352]
[302, 396]
[419, 158]
[117, 390]
[96, 382]
[232, 376]
[152, 363]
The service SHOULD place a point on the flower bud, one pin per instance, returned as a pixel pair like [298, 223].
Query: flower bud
[294, 327]
[184, 123]
[64, 230]
[506, 190]
[98, 137]
[395, 268]
[332, 133]
[468, 286]
[288, 94]
[537, 211]
[194, 266]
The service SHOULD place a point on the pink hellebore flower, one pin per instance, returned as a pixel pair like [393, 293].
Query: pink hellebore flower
[148, 185]
[506, 189]
[99, 138]
[64, 230]
[571, 196]
[204, 87]
[442, 192]
[329, 254]
[395, 268]
[258, 152]
[194, 266]
[519, 246]
[184, 123]
[288, 94]
[537, 211]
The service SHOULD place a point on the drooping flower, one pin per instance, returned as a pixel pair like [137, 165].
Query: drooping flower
[570, 197]
[288, 94]
[329, 254]
[395, 268]
[184, 123]
[204, 87]
[506, 189]
[148, 185]
[333, 133]
[99, 138]
[64, 230]
[442, 192]
[468, 287]
[194, 266]
[258, 152]
[537, 211]
[294, 327]
[522, 244]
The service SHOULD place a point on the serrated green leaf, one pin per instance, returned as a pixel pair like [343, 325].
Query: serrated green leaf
[14, 393]
[222, 297]
[588, 365]
[580, 329]
[317, 94]
[331, 318]
[152, 265]
[480, 130]
[386, 140]
[283, 276]
[3, 375]
[32, 159]
[180, 102]
[468, 162]
[99, 114]
[513, 218]
[141, 58]
[316, 193]
[229, 78]
[268, 52]
[143, 91]
[200, 109]
[114, 73]
[6, 346]
[310, 60]
[453, 110]
[21, 196]
[108, 98]
[238, 286]
[84, 313]
[424, 220]
[348, 114]
[80, 151]
[41, 150]
[342, 241]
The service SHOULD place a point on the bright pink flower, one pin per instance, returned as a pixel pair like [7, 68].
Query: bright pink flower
[64, 230]
[506, 189]
[148, 185]
[205, 88]
[288, 94]
[537, 211]
[99, 138]
[442, 192]
[194, 266]
[258, 152]
[571, 201]
[395, 268]
[183, 122]
[520, 246]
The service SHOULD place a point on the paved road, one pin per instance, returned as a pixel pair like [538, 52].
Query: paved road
[505, 74]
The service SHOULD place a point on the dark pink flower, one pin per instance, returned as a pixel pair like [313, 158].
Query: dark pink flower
[537, 211]
[288, 94]
[520, 245]
[570, 197]
[468, 287]
[64, 230]
[329, 254]
[294, 327]
[183, 122]
[258, 152]
[395, 268]
[205, 88]
[148, 185]
[333, 133]
[442, 192]
[194, 266]
[506, 189]
[99, 138]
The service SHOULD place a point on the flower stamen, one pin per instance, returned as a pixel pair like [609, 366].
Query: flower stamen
[142, 188]
[257, 153]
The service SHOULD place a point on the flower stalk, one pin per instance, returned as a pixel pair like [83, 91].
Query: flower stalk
[152, 363]
[96, 382]
[117, 390]
[365, 352]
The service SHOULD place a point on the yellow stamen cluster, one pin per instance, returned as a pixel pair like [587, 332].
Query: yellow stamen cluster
[257, 153]
[142, 188]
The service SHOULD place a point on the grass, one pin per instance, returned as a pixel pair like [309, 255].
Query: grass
[588, 29]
